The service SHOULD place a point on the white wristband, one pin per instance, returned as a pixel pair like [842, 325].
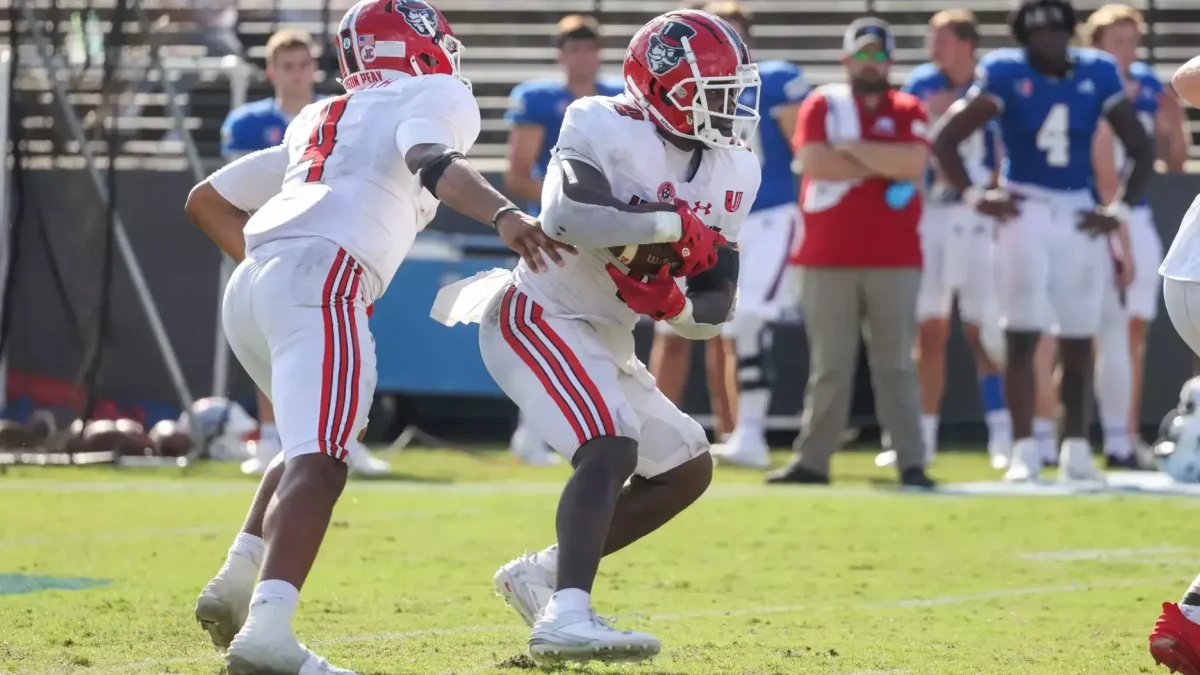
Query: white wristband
[685, 316]
[1119, 210]
[973, 195]
[668, 227]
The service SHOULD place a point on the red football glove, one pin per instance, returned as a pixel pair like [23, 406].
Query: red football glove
[698, 246]
[659, 298]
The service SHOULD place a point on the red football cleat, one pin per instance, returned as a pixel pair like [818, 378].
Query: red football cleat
[1175, 641]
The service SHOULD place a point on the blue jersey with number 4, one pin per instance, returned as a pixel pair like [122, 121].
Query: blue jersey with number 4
[1047, 123]
[782, 86]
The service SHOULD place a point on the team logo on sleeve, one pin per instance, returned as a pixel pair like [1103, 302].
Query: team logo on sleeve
[419, 15]
[733, 201]
[666, 192]
[666, 47]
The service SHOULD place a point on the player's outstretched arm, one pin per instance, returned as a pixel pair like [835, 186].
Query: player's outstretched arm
[1123, 119]
[578, 208]
[221, 205]
[450, 177]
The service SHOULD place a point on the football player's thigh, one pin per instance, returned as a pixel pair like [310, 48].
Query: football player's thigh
[1182, 299]
[933, 298]
[1142, 296]
[556, 372]
[1082, 265]
[242, 330]
[323, 377]
[1022, 263]
[976, 293]
[669, 438]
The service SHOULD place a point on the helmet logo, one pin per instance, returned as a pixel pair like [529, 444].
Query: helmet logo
[666, 47]
[366, 47]
[419, 15]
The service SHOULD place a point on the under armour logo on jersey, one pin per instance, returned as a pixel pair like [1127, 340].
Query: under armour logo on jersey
[733, 201]
[419, 15]
[704, 208]
[666, 47]
[1086, 87]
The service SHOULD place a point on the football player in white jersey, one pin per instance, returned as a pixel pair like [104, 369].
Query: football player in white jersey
[335, 208]
[1175, 640]
[623, 175]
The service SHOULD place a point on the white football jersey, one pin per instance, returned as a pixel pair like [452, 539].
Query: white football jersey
[340, 173]
[1182, 261]
[612, 134]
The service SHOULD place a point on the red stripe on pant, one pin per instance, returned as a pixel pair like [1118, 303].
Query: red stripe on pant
[590, 390]
[557, 368]
[509, 305]
[340, 367]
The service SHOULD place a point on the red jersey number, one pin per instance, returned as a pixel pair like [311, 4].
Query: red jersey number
[323, 138]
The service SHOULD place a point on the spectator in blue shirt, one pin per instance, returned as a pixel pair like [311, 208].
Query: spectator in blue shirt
[536, 107]
[258, 125]
[535, 111]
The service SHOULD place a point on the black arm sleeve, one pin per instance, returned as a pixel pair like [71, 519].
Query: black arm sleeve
[712, 292]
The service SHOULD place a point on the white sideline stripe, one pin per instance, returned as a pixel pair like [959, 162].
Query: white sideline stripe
[1151, 554]
[700, 614]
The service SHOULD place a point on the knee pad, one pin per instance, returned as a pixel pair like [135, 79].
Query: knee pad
[752, 342]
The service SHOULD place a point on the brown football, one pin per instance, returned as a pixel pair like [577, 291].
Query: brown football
[110, 436]
[647, 259]
[139, 441]
[171, 439]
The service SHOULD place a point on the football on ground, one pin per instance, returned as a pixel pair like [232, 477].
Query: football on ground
[100, 568]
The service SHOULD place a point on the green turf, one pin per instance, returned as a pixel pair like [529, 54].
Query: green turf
[750, 580]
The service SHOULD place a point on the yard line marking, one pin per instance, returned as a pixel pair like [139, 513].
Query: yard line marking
[912, 603]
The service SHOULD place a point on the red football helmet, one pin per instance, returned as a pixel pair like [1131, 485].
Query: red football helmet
[403, 36]
[688, 70]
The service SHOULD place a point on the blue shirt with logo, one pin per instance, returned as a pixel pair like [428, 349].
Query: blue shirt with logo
[783, 85]
[543, 103]
[1047, 123]
[252, 127]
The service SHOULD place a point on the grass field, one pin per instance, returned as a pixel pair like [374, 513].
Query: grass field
[855, 580]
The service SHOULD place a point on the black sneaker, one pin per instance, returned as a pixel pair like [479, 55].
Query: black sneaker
[915, 477]
[796, 475]
[1130, 463]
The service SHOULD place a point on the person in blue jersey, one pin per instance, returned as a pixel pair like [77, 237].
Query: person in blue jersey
[258, 125]
[956, 241]
[535, 115]
[1121, 347]
[767, 238]
[1052, 256]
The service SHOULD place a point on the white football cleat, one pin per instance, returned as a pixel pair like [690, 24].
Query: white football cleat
[528, 582]
[580, 637]
[527, 448]
[1026, 462]
[363, 463]
[1000, 454]
[743, 449]
[224, 603]
[272, 650]
[1075, 463]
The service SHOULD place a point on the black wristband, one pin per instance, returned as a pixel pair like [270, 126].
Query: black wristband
[503, 210]
[432, 172]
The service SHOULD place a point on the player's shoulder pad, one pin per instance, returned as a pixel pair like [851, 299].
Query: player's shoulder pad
[784, 77]
[778, 69]
[1145, 74]
[249, 112]
[442, 93]
[1008, 60]
[600, 115]
[1090, 59]
[536, 89]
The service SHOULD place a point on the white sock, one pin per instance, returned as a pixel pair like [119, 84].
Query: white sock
[999, 424]
[568, 600]
[1192, 612]
[1043, 434]
[276, 597]
[249, 547]
[268, 433]
[929, 434]
[752, 409]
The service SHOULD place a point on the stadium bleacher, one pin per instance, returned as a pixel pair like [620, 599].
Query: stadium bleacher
[506, 42]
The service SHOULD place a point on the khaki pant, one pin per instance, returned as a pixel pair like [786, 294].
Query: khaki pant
[839, 304]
